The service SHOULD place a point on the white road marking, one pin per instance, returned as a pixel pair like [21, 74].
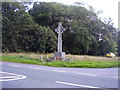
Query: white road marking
[9, 73]
[116, 77]
[35, 68]
[23, 77]
[73, 84]
[14, 65]
[87, 74]
[11, 78]
[57, 71]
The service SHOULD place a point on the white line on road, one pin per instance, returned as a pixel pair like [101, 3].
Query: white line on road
[14, 65]
[23, 77]
[9, 77]
[57, 71]
[72, 84]
[35, 68]
[17, 77]
[87, 74]
[116, 77]
[9, 73]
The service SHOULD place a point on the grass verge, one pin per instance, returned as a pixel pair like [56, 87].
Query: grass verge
[73, 64]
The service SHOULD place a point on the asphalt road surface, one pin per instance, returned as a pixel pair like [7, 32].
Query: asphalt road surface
[15, 75]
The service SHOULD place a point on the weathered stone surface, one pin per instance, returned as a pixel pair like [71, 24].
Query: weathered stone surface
[59, 55]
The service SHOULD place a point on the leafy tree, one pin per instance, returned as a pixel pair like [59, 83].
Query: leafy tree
[12, 14]
[33, 31]
[21, 33]
[85, 32]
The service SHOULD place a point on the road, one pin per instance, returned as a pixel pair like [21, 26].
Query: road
[15, 75]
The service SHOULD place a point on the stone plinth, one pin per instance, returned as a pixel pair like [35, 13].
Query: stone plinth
[59, 55]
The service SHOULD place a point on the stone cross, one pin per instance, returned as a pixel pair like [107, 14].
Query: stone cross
[60, 30]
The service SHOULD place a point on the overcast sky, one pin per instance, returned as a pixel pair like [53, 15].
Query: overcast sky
[109, 7]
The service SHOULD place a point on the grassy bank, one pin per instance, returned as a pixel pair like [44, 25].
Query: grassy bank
[77, 61]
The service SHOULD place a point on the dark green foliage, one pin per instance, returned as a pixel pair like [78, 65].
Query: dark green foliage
[33, 31]
[85, 33]
[21, 33]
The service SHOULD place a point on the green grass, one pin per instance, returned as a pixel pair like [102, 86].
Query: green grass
[20, 59]
[73, 64]
[83, 64]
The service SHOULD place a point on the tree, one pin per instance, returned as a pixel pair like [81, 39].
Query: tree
[33, 31]
[85, 32]
[13, 15]
[21, 33]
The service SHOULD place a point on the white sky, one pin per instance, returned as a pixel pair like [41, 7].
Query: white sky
[109, 7]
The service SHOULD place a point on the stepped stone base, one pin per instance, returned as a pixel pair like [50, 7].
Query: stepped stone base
[59, 55]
